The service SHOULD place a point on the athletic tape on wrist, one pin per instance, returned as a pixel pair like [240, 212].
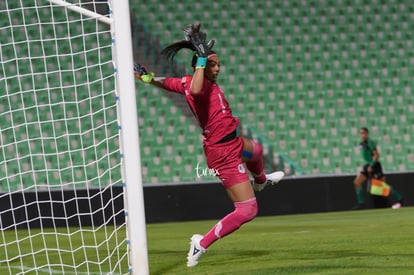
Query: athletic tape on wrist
[201, 62]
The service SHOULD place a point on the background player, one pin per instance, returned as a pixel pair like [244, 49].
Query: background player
[372, 168]
[225, 151]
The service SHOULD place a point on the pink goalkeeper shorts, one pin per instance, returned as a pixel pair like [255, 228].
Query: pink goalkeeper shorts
[226, 160]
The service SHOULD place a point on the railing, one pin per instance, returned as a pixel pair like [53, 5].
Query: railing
[282, 163]
[293, 168]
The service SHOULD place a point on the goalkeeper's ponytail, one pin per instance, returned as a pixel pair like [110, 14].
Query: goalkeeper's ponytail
[194, 40]
[170, 51]
[194, 61]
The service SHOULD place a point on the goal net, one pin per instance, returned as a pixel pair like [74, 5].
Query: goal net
[61, 194]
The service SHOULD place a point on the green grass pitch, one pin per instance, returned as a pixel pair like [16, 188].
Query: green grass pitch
[352, 242]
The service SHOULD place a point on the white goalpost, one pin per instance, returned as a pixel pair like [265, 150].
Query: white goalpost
[71, 196]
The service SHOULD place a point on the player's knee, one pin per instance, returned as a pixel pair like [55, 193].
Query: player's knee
[247, 209]
[359, 180]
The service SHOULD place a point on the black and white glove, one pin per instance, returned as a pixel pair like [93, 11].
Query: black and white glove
[198, 39]
[199, 42]
[190, 29]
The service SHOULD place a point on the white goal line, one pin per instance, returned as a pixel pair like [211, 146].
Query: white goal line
[83, 11]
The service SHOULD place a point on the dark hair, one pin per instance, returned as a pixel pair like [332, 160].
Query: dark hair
[170, 51]
[194, 60]
[365, 129]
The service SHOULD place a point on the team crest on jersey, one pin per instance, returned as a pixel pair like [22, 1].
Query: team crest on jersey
[241, 168]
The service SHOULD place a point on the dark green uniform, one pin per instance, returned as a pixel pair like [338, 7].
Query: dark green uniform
[367, 148]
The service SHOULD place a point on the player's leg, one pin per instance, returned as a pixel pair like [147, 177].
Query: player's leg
[252, 155]
[379, 174]
[235, 180]
[245, 209]
[238, 187]
[397, 196]
[359, 180]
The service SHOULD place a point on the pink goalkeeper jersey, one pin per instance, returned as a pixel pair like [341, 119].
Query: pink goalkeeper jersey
[210, 107]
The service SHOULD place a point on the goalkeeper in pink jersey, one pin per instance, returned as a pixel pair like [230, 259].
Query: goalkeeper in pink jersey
[225, 151]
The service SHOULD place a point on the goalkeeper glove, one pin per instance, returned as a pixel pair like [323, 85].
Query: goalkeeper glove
[210, 44]
[191, 29]
[142, 74]
[199, 42]
[198, 39]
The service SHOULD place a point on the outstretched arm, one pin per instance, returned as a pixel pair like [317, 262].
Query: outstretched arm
[158, 82]
[198, 39]
[148, 78]
[165, 83]
[198, 80]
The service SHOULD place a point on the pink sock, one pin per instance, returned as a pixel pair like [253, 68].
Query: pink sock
[244, 211]
[255, 164]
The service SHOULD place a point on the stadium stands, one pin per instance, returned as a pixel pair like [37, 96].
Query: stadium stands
[308, 74]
